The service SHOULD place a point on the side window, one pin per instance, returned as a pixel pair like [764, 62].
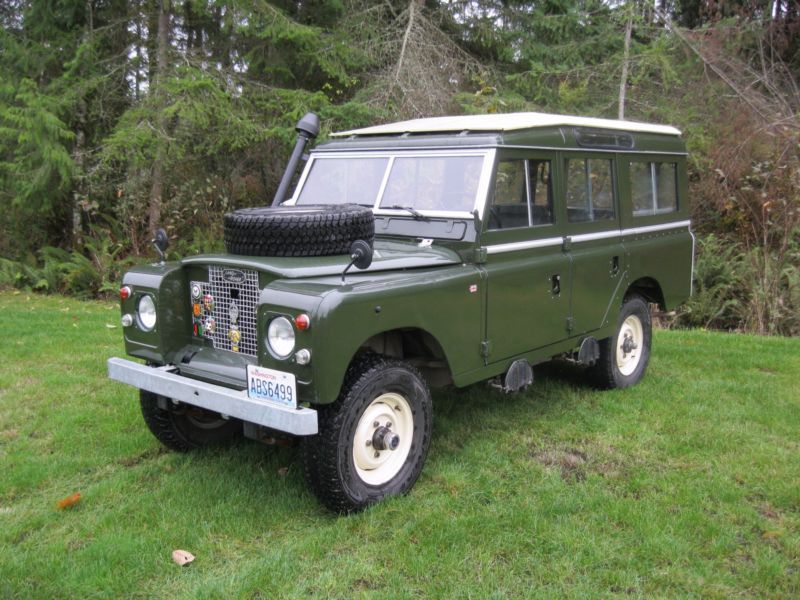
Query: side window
[654, 188]
[510, 204]
[515, 182]
[590, 190]
[541, 192]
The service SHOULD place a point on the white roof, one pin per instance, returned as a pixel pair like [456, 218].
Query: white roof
[504, 122]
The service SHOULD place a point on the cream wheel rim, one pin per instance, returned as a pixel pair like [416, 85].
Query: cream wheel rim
[629, 345]
[388, 414]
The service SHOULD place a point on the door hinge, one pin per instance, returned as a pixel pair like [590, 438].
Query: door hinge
[486, 348]
[570, 324]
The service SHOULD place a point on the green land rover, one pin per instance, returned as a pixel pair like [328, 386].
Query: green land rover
[425, 253]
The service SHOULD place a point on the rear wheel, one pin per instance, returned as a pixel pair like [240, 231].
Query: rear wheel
[624, 356]
[185, 427]
[374, 439]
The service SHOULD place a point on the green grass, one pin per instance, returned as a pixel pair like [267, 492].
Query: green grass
[686, 485]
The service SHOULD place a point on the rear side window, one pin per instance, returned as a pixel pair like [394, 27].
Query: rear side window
[654, 189]
[590, 190]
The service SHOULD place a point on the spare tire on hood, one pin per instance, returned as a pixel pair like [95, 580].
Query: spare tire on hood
[309, 230]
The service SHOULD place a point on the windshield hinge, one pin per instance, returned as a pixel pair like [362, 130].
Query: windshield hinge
[480, 254]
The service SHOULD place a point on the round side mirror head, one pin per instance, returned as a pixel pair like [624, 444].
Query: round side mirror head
[361, 254]
[308, 125]
[162, 240]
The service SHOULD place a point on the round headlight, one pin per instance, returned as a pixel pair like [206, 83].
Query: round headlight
[146, 310]
[280, 337]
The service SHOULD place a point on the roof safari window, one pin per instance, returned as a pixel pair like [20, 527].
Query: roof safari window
[603, 138]
[654, 188]
[590, 190]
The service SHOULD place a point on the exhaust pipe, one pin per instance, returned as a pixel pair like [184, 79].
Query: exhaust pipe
[307, 129]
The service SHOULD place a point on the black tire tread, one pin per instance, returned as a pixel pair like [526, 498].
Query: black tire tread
[170, 430]
[319, 452]
[606, 375]
[311, 230]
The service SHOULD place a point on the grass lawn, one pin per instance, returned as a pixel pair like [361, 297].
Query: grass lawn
[686, 485]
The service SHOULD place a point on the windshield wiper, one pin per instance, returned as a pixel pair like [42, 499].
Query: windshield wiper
[414, 213]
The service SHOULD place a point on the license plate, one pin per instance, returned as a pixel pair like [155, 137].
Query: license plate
[271, 385]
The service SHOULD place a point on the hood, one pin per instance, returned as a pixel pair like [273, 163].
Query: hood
[389, 255]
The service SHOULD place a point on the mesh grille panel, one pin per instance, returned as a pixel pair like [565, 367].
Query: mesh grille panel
[227, 292]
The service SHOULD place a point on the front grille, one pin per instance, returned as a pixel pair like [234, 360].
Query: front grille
[225, 289]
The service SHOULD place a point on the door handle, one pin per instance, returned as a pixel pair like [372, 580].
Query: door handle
[615, 265]
[555, 283]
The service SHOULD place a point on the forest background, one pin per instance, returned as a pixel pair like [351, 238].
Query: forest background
[117, 117]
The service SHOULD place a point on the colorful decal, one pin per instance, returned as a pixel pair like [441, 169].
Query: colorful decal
[211, 325]
[196, 291]
[235, 336]
[208, 303]
[196, 310]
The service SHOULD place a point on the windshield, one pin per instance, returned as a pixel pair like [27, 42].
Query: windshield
[435, 183]
[343, 181]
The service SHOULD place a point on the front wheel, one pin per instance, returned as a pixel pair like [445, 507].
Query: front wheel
[184, 427]
[374, 439]
[624, 356]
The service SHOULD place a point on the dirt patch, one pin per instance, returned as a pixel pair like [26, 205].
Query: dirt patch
[571, 462]
[768, 511]
[9, 435]
[132, 461]
[365, 585]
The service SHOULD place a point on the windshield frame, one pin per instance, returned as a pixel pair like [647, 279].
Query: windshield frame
[487, 154]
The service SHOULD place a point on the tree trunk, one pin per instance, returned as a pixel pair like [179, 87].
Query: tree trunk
[623, 82]
[79, 151]
[156, 190]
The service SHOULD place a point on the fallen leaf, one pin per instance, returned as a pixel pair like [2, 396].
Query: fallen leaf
[283, 471]
[68, 501]
[182, 557]
[110, 326]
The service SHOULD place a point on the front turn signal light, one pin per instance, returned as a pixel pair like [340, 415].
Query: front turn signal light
[302, 322]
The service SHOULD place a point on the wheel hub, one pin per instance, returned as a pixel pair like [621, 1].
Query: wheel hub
[629, 341]
[382, 438]
[628, 345]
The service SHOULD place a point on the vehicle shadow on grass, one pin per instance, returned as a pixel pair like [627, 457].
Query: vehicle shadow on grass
[273, 473]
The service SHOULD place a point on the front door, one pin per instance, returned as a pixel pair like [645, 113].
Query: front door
[528, 272]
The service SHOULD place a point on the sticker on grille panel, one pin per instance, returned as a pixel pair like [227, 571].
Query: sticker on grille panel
[225, 309]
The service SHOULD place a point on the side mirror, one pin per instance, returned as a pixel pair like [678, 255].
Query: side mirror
[161, 242]
[360, 257]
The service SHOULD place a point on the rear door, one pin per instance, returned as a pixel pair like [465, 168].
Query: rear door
[592, 238]
[528, 273]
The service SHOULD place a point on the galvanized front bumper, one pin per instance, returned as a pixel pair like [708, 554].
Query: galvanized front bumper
[233, 403]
